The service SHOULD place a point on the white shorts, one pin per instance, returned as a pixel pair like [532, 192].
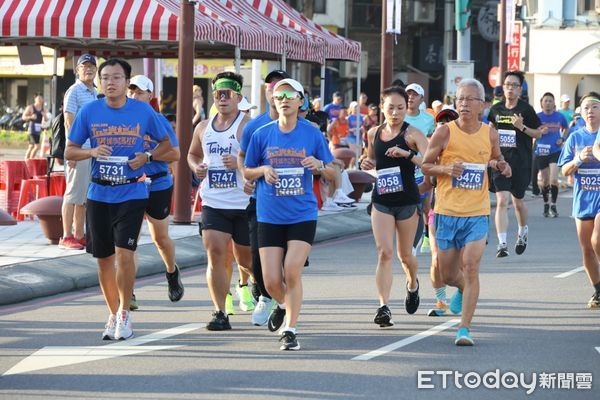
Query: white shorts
[78, 180]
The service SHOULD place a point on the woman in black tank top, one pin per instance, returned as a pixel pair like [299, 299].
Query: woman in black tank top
[392, 151]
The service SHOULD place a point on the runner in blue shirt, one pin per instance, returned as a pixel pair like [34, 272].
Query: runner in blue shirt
[117, 196]
[281, 157]
[579, 158]
[547, 150]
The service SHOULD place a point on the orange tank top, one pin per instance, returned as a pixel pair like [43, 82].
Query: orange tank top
[466, 196]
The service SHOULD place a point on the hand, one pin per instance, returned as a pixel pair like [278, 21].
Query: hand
[397, 152]
[101, 151]
[229, 161]
[71, 164]
[138, 162]
[367, 164]
[543, 129]
[586, 154]
[270, 175]
[249, 187]
[559, 142]
[311, 163]
[201, 170]
[455, 169]
[504, 168]
[517, 121]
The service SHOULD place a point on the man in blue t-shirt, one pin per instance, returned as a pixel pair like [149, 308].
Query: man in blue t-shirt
[161, 191]
[333, 109]
[117, 196]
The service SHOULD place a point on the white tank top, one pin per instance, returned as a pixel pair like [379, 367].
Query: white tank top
[222, 188]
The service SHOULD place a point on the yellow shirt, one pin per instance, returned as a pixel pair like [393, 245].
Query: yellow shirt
[466, 196]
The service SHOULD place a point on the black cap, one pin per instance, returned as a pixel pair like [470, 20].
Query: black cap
[277, 73]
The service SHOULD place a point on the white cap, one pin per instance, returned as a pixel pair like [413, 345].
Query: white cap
[416, 88]
[436, 103]
[245, 105]
[142, 82]
[297, 86]
[565, 97]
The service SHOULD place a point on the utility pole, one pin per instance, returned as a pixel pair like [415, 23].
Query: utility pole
[502, 39]
[463, 29]
[387, 51]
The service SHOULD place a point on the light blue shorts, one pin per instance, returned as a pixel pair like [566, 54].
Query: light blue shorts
[456, 232]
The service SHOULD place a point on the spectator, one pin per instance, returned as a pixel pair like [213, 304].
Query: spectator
[333, 109]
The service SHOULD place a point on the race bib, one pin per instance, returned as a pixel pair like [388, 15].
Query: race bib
[508, 138]
[471, 177]
[222, 178]
[37, 128]
[589, 179]
[543, 149]
[291, 182]
[113, 169]
[389, 180]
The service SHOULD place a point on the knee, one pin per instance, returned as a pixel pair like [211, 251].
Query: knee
[384, 254]
[501, 202]
[471, 271]
[273, 286]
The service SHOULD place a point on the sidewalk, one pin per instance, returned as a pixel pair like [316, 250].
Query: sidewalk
[30, 267]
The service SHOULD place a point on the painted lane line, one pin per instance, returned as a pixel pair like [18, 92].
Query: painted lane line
[405, 342]
[598, 349]
[59, 356]
[569, 273]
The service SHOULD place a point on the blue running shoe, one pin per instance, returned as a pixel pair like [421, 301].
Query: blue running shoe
[456, 303]
[463, 337]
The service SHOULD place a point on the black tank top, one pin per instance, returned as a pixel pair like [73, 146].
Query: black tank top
[39, 115]
[410, 193]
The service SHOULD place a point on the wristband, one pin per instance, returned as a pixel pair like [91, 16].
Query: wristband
[411, 155]
[578, 162]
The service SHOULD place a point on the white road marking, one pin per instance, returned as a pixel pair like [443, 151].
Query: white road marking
[405, 342]
[58, 356]
[598, 349]
[569, 273]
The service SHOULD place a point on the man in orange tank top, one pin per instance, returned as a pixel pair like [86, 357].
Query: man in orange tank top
[458, 154]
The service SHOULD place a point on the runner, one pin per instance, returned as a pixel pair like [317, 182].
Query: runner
[117, 196]
[392, 151]
[213, 157]
[161, 190]
[458, 155]
[35, 116]
[579, 158]
[281, 157]
[517, 124]
[547, 151]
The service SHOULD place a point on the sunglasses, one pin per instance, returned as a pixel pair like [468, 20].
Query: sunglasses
[286, 94]
[224, 94]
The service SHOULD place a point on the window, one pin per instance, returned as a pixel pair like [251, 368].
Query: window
[586, 6]
[321, 6]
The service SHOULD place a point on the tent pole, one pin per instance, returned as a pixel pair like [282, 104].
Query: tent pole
[283, 61]
[238, 60]
[54, 96]
[322, 92]
[255, 94]
[358, 125]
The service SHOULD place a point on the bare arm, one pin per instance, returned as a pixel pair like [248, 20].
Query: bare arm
[437, 143]
[69, 118]
[415, 140]
[369, 161]
[197, 105]
[74, 152]
[195, 154]
[517, 121]
[28, 114]
[497, 159]
[585, 155]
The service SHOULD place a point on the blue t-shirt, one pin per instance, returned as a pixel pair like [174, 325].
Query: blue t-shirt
[423, 122]
[292, 200]
[123, 129]
[546, 144]
[251, 127]
[332, 110]
[157, 167]
[352, 127]
[586, 187]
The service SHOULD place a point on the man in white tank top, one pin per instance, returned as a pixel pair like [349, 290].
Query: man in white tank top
[213, 157]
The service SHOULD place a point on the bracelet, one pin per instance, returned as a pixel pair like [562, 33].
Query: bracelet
[411, 155]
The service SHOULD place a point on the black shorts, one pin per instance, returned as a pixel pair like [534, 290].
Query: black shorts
[516, 184]
[111, 225]
[542, 162]
[159, 203]
[273, 235]
[399, 213]
[234, 222]
[34, 139]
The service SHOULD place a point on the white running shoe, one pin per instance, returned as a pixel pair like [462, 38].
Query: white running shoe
[261, 312]
[329, 205]
[109, 328]
[340, 198]
[124, 326]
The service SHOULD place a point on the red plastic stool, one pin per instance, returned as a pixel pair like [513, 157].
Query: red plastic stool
[317, 190]
[197, 208]
[30, 188]
[37, 166]
[12, 173]
[58, 185]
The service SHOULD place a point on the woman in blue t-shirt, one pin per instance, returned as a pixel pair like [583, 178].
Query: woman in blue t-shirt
[281, 157]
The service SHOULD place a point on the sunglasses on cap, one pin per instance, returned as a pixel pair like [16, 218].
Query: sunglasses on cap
[286, 94]
[224, 94]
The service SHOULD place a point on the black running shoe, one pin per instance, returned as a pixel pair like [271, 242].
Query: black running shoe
[175, 285]
[412, 300]
[289, 341]
[219, 322]
[276, 319]
[383, 318]
[521, 244]
[553, 211]
[546, 210]
[594, 301]
[502, 250]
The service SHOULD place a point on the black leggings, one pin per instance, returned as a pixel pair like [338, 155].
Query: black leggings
[256, 265]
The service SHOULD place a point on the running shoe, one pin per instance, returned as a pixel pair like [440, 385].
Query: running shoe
[82, 241]
[456, 302]
[219, 322]
[463, 337]
[246, 301]
[546, 210]
[553, 211]
[276, 319]
[441, 308]
[412, 300]
[502, 250]
[133, 304]
[260, 315]
[109, 328]
[383, 318]
[69, 243]
[425, 246]
[175, 285]
[521, 244]
[290, 342]
[341, 198]
[329, 205]
[124, 328]
[229, 308]
[594, 301]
